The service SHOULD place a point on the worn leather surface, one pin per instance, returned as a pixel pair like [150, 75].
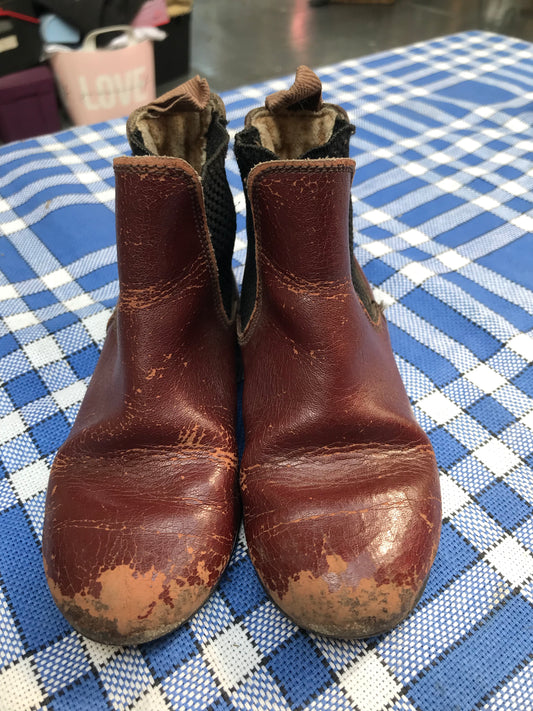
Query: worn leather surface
[142, 507]
[339, 483]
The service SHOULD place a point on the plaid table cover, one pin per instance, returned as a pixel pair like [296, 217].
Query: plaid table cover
[443, 199]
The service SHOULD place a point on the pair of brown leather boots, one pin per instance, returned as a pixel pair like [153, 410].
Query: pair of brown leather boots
[339, 484]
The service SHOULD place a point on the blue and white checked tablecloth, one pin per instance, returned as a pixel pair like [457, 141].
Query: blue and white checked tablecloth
[443, 208]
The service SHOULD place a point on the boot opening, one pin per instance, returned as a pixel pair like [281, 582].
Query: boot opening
[180, 134]
[291, 134]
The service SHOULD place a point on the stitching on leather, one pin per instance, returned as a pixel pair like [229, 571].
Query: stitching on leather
[381, 316]
[378, 323]
[146, 297]
[142, 168]
[208, 253]
[310, 166]
[119, 526]
[257, 311]
[311, 288]
[306, 169]
[384, 449]
[375, 445]
[330, 514]
[152, 450]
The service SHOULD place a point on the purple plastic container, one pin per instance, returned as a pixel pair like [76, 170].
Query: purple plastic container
[28, 105]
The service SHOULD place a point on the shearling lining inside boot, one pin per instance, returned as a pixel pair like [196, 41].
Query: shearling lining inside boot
[177, 124]
[291, 134]
[182, 134]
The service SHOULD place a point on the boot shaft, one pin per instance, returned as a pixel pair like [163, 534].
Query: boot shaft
[163, 245]
[319, 369]
[300, 210]
[173, 330]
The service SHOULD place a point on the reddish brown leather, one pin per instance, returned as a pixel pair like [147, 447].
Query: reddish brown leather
[142, 507]
[339, 483]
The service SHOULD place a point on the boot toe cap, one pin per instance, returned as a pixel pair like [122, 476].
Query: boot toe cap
[345, 554]
[346, 607]
[130, 607]
[129, 561]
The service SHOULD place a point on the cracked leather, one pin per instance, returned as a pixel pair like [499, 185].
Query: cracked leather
[339, 483]
[142, 507]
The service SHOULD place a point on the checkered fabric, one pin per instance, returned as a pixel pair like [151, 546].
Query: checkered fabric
[443, 199]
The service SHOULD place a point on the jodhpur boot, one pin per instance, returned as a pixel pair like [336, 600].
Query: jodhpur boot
[142, 506]
[339, 483]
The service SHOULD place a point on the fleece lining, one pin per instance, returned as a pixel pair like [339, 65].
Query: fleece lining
[181, 134]
[290, 134]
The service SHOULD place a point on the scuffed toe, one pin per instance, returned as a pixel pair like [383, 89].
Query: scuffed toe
[125, 606]
[124, 566]
[329, 606]
[344, 554]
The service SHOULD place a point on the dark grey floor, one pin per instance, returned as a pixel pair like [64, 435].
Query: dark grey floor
[237, 42]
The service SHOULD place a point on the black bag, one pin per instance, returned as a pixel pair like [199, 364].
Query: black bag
[20, 42]
[89, 15]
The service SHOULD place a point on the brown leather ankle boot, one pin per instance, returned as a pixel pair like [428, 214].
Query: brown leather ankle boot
[339, 483]
[142, 506]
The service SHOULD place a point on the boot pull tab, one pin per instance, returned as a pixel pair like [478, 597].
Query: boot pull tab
[158, 128]
[192, 95]
[304, 95]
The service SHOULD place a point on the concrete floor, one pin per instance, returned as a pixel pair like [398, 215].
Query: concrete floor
[235, 42]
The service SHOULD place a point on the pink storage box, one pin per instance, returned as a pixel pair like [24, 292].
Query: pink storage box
[28, 105]
[101, 84]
